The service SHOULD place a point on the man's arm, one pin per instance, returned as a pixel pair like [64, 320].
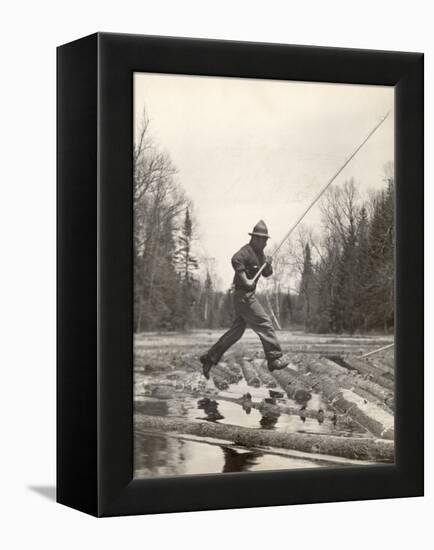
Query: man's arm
[239, 265]
[248, 283]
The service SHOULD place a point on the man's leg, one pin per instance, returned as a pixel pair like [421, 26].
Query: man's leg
[228, 339]
[256, 319]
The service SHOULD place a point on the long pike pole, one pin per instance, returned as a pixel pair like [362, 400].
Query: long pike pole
[331, 180]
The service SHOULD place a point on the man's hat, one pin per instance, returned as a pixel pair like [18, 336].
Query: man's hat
[260, 230]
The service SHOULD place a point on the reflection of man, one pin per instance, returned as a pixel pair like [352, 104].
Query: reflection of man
[249, 312]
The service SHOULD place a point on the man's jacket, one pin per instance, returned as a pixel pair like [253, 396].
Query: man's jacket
[250, 261]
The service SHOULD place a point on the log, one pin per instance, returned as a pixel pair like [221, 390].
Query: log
[319, 349]
[384, 367]
[219, 382]
[150, 387]
[264, 374]
[351, 379]
[378, 450]
[365, 368]
[294, 385]
[233, 366]
[224, 372]
[321, 460]
[366, 395]
[368, 415]
[276, 409]
[375, 389]
[378, 350]
[314, 348]
[327, 367]
[250, 374]
[390, 402]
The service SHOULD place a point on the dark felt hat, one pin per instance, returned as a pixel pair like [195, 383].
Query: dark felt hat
[260, 230]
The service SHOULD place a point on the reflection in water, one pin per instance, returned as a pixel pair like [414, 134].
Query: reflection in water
[210, 407]
[246, 403]
[158, 455]
[245, 415]
[269, 420]
[161, 455]
[302, 396]
[239, 462]
[270, 413]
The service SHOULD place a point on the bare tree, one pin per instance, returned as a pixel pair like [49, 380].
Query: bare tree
[158, 203]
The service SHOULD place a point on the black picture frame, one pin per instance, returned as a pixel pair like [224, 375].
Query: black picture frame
[95, 274]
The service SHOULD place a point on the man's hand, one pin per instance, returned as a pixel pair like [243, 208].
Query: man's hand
[248, 283]
[268, 260]
[251, 284]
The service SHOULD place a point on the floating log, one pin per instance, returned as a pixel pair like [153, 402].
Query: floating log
[319, 349]
[378, 350]
[150, 386]
[294, 385]
[234, 367]
[277, 409]
[365, 368]
[263, 373]
[276, 394]
[361, 448]
[369, 397]
[160, 391]
[376, 420]
[321, 460]
[224, 372]
[327, 367]
[219, 382]
[350, 379]
[314, 348]
[376, 390]
[250, 374]
[384, 367]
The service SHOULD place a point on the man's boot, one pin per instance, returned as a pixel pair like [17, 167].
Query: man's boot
[277, 364]
[207, 365]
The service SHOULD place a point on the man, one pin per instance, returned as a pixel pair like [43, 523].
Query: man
[249, 312]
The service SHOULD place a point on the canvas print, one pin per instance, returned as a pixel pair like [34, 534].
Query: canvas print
[263, 275]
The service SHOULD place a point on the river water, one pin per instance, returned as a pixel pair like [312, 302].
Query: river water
[162, 455]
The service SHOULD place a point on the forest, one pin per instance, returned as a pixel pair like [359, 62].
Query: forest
[334, 278]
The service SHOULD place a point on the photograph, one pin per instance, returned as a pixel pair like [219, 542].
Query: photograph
[264, 274]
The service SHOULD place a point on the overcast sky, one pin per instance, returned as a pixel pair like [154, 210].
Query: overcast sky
[250, 149]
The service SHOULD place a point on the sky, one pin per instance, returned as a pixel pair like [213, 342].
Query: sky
[251, 149]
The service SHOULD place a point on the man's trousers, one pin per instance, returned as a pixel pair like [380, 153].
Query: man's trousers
[249, 314]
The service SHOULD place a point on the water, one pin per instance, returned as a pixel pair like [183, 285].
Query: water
[166, 455]
[213, 409]
[161, 455]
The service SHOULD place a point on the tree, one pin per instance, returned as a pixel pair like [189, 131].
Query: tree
[307, 288]
[187, 264]
[208, 314]
[381, 259]
[158, 203]
[286, 309]
[363, 274]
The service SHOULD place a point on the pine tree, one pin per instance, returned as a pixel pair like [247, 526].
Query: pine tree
[361, 303]
[226, 310]
[286, 309]
[208, 302]
[307, 288]
[381, 261]
[186, 265]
